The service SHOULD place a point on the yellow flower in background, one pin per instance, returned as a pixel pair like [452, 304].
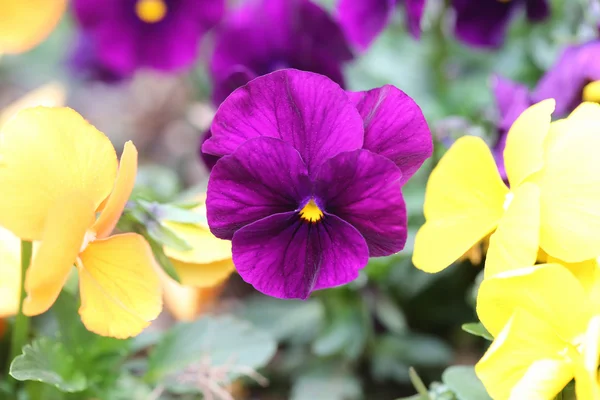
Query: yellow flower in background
[26, 23]
[591, 92]
[202, 270]
[553, 201]
[57, 172]
[545, 325]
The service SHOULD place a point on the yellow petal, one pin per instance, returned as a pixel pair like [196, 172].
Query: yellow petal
[548, 291]
[463, 204]
[586, 377]
[10, 273]
[591, 92]
[587, 272]
[524, 151]
[515, 243]
[65, 229]
[124, 183]
[120, 288]
[25, 23]
[45, 153]
[206, 248]
[526, 361]
[586, 111]
[50, 95]
[203, 275]
[570, 187]
[186, 303]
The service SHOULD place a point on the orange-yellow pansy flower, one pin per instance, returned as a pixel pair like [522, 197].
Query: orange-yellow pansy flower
[552, 202]
[25, 23]
[545, 325]
[591, 92]
[57, 172]
[202, 270]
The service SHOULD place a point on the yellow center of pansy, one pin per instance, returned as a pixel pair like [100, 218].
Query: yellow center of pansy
[591, 92]
[311, 212]
[151, 11]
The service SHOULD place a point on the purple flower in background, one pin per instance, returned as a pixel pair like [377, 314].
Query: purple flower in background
[511, 99]
[266, 35]
[307, 189]
[483, 23]
[576, 67]
[130, 34]
[363, 20]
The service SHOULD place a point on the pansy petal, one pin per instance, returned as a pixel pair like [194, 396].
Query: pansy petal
[45, 153]
[284, 257]
[205, 247]
[524, 151]
[591, 91]
[25, 23]
[204, 275]
[515, 243]
[119, 285]
[364, 20]
[50, 95]
[124, 183]
[66, 225]
[306, 110]
[534, 289]
[395, 128]
[570, 186]
[482, 23]
[186, 303]
[463, 204]
[526, 361]
[586, 111]
[587, 385]
[265, 176]
[363, 189]
[10, 270]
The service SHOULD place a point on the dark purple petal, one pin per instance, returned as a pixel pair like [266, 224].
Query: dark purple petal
[363, 189]
[306, 110]
[482, 23]
[265, 176]
[285, 257]
[266, 35]
[564, 82]
[512, 99]
[208, 159]
[238, 76]
[84, 62]
[395, 128]
[364, 20]
[538, 10]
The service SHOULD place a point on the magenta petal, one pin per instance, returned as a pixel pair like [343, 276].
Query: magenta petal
[363, 20]
[363, 189]
[306, 110]
[482, 23]
[265, 176]
[395, 128]
[284, 257]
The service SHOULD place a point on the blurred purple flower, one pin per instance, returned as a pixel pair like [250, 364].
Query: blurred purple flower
[266, 35]
[483, 23]
[363, 20]
[576, 67]
[129, 34]
[306, 188]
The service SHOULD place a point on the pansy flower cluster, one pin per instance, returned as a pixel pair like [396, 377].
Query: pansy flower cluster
[544, 318]
[309, 184]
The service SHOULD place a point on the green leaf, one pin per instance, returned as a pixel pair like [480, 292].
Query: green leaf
[390, 315]
[48, 361]
[171, 212]
[477, 329]
[464, 383]
[326, 383]
[166, 236]
[163, 260]
[216, 340]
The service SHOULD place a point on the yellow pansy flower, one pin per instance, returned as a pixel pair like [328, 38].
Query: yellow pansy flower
[591, 92]
[552, 201]
[57, 172]
[542, 319]
[202, 270]
[25, 23]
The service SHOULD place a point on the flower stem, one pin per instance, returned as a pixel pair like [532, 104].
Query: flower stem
[20, 331]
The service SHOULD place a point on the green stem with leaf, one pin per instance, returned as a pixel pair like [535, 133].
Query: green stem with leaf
[20, 331]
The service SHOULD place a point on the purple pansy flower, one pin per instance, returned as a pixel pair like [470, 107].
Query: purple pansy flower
[363, 20]
[309, 183]
[576, 67]
[483, 23]
[266, 35]
[159, 34]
